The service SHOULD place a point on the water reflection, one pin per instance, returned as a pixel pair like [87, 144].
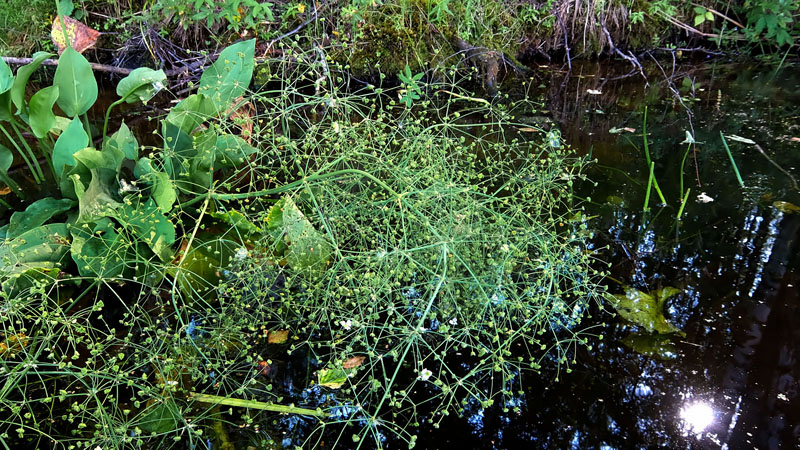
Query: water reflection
[736, 260]
[697, 416]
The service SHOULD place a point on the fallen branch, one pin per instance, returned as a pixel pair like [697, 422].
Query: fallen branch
[197, 65]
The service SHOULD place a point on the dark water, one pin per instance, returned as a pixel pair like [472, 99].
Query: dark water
[732, 381]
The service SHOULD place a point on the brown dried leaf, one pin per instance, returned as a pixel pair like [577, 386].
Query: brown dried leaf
[353, 362]
[5, 190]
[243, 117]
[278, 337]
[81, 37]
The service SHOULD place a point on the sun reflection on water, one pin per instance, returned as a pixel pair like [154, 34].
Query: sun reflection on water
[697, 417]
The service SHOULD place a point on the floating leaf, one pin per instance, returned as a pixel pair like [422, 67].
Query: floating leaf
[333, 378]
[77, 87]
[645, 309]
[39, 249]
[653, 345]
[80, 36]
[13, 344]
[786, 207]
[141, 84]
[353, 362]
[36, 214]
[736, 138]
[278, 337]
[230, 75]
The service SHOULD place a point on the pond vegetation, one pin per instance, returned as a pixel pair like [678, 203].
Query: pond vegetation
[304, 241]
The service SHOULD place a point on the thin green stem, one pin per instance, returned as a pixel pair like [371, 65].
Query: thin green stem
[253, 404]
[683, 163]
[291, 186]
[649, 188]
[683, 204]
[28, 148]
[108, 115]
[733, 163]
[21, 153]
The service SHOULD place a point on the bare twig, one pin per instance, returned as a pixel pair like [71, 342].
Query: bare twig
[632, 59]
[794, 181]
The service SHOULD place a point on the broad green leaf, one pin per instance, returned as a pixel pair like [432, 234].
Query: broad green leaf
[21, 81]
[6, 77]
[36, 214]
[96, 201]
[238, 220]
[162, 188]
[41, 114]
[65, 7]
[98, 250]
[110, 158]
[20, 282]
[332, 378]
[148, 225]
[229, 77]
[6, 114]
[652, 345]
[6, 160]
[644, 309]
[60, 125]
[231, 151]
[308, 251]
[189, 113]
[43, 247]
[124, 141]
[202, 268]
[161, 417]
[73, 138]
[77, 86]
[141, 85]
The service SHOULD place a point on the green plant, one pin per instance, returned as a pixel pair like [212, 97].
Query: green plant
[236, 14]
[771, 19]
[412, 89]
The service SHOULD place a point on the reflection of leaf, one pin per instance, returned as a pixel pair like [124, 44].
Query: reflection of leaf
[653, 345]
[80, 36]
[645, 309]
[278, 337]
[786, 207]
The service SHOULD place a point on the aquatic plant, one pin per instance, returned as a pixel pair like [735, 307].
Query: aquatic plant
[308, 249]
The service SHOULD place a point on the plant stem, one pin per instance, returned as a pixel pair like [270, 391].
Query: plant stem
[649, 187]
[730, 155]
[28, 148]
[683, 163]
[227, 401]
[108, 114]
[290, 186]
[683, 204]
[21, 154]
